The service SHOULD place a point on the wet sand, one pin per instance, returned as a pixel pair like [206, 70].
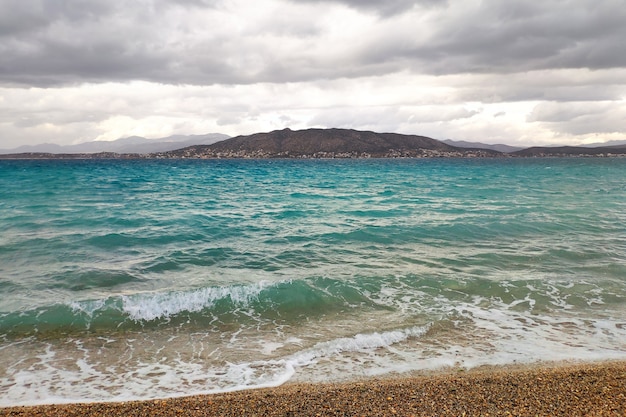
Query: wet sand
[595, 389]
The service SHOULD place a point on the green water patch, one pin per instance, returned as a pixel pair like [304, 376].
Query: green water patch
[200, 308]
[80, 280]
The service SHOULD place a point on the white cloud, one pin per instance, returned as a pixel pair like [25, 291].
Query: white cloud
[582, 118]
[552, 72]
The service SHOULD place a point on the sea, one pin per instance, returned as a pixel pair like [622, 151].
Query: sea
[141, 279]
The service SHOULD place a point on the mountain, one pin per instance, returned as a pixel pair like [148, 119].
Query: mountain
[325, 143]
[43, 147]
[608, 144]
[477, 145]
[287, 143]
[540, 151]
[133, 144]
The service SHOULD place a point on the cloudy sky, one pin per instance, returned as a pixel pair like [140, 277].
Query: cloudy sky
[496, 71]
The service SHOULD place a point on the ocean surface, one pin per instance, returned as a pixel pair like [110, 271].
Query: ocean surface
[146, 279]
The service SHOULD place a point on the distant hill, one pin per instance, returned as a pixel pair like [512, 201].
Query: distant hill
[320, 143]
[477, 145]
[287, 143]
[609, 144]
[133, 144]
[539, 151]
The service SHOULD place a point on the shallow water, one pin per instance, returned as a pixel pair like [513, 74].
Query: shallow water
[145, 279]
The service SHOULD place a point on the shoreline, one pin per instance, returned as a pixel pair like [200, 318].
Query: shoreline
[578, 388]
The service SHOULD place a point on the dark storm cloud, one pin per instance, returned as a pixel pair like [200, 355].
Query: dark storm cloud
[51, 61]
[44, 43]
[518, 35]
[47, 43]
[19, 17]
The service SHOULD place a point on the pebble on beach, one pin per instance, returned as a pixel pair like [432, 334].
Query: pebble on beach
[567, 390]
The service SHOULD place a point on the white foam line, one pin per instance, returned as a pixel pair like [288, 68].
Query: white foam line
[152, 306]
[160, 380]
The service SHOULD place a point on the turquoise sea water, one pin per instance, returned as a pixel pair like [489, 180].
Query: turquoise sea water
[143, 279]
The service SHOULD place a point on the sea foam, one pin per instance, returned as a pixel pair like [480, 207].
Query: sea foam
[146, 307]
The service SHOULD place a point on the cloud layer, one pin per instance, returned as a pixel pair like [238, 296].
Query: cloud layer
[553, 72]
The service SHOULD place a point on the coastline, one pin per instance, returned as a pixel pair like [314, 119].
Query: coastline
[573, 389]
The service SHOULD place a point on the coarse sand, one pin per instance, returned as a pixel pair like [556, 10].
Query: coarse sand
[592, 389]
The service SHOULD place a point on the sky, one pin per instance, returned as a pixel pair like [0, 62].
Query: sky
[494, 71]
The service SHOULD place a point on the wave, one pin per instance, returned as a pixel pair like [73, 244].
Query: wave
[143, 379]
[262, 301]
[361, 342]
[149, 307]
[299, 300]
[274, 372]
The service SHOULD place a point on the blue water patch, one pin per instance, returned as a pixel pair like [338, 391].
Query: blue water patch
[367, 266]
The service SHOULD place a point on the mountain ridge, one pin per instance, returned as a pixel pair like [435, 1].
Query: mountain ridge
[131, 144]
[306, 143]
[542, 151]
[500, 147]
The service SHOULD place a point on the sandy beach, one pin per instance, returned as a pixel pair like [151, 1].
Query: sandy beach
[594, 389]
